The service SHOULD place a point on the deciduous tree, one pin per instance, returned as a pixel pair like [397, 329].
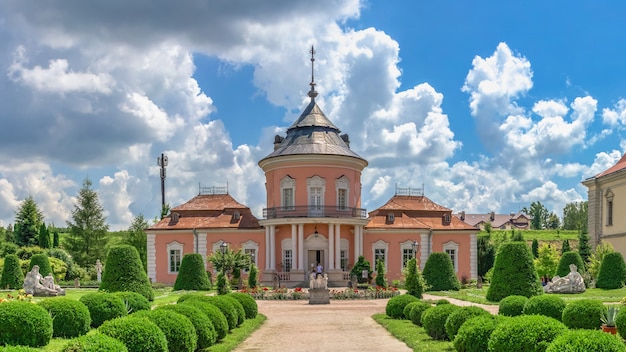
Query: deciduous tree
[539, 214]
[575, 216]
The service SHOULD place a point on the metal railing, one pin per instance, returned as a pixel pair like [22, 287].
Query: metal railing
[314, 211]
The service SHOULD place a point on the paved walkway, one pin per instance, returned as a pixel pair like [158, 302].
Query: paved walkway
[338, 326]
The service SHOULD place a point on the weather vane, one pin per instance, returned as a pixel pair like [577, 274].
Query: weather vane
[312, 92]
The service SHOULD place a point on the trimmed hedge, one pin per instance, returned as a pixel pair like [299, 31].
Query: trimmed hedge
[220, 323]
[179, 331]
[612, 271]
[204, 327]
[408, 308]
[512, 306]
[138, 334]
[18, 349]
[249, 304]
[124, 272]
[12, 275]
[473, 335]
[95, 343]
[24, 323]
[224, 306]
[570, 258]
[439, 273]
[44, 264]
[513, 273]
[434, 320]
[585, 341]
[583, 314]
[133, 301]
[238, 307]
[70, 318]
[549, 305]
[418, 310]
[460, 316]
[395, 305]
[192, 274]
[103, 306]
[620, 323]
[525, 333]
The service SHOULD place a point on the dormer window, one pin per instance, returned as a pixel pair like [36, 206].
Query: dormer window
[236, 215]
[446, 219]
[391, 218]
[175, 217]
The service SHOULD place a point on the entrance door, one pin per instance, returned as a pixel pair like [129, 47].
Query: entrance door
[314, 257]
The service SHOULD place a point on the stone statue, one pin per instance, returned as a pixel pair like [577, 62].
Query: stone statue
[36, 285]
[99, 270]
[312, 280]
[572, 283]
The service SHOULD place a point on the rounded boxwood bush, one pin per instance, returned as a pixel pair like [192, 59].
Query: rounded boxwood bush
[473, 335]
[568, 258]
[179, 331]
[224, 306]
[512, 306]
[138, 334]
[434, 320]
[103, 306]
[24, 323]
[133, 301]
[525, 333]
[620, 323]
[201, 322]
[612, 271]
[416, 313]
[192, 274]
[583, 314]
[124, 272]
[70, 318]
[408, 308]
[458, 317]
[95, 343]
[241, 312]
[442, 301]
[548, 305]
[439, 273]
[215, 315]
[249, 304]
[513, 273]
[12, 275]
[586, 340]
[395, 305]
[42, 261]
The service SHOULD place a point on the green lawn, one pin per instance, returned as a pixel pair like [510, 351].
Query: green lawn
[414, 336]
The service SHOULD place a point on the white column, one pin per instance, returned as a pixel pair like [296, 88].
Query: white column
[151, 249]
[301, 247]
[338, 246]
[473, 256]
[423, 251]
[356, 243]
[361, 244]
[272, 247]
[267, 248]
[294, 256]
[331, 246]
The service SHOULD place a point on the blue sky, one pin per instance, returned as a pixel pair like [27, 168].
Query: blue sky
[490, 105]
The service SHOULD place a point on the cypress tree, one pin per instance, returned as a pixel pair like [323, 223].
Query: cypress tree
[252, 276]
[584, 249]
[565, 248]
[414, 283]
[44, 237]
[486, 255]
[55, 239]
[535, 248]
[380, 274]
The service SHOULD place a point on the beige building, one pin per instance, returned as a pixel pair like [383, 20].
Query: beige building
[607, 199]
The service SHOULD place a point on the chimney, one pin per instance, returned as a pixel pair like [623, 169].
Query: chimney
[492, 216]
[462, 215]
[278, 140]
[346, 139]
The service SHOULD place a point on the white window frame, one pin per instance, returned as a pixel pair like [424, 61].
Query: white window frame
[380, 245]
[314, 183]
[251, 246]
[406, 245]
[287, 260]
[343, 184]
[610, 207]
[217, 248]
[287, 184]
[344, 248]
[174, 246]
[452, 246]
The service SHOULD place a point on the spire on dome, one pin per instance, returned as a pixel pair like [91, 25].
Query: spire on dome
[312, 92]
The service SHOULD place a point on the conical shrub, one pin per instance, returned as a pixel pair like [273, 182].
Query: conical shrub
[12, 275]
[612, 271]
[513, 273]
[570, 258]
[124, 272]
[192, 274]
[43, 262]
[439, 273]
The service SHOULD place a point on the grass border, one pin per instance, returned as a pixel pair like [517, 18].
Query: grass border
[412, 335]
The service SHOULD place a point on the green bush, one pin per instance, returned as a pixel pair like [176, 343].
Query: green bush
[138, 334]
[434, 320]
[612, 271]
[525, 333]
[12, 275]
[408, 308]
[192, 274]
[249, 304]
[585, 341]
[417, 312]
[414, 281]
[43, 262]
[252, 276]
[103, 306]
[359, 267]
[512, 306]
[460, 316]
[241, 312]
[18, 349]
[70, 317]
[27, 252]
[124, 272]
[133, 301]
[215, 315]
[225, 307]
[178, 329]
[24, 323]
[95, 343]
[583, 314]
[439, 273]
[201, 322]
[442, 301]
[513, 273]
[395, 305]
[568, 258]
[473, 335]
[548, 305]
[620, 323]
[381, 280]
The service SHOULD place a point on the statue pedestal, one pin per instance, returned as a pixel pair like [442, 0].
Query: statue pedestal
[319, 296]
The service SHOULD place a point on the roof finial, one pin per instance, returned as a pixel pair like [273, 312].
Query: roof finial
[312, 92]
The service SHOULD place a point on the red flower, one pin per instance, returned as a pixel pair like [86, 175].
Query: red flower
[265, 288]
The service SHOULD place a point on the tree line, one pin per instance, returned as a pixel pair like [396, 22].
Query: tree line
[574, 217]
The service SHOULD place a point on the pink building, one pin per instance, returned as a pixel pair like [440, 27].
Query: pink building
[313, 215]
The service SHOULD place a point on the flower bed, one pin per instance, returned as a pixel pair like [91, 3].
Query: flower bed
[298, 293]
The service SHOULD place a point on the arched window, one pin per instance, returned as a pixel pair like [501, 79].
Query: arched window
[452, 249]
[287, 191]
[175, 255]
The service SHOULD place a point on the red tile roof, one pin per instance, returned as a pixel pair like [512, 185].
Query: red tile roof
[621, 164]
